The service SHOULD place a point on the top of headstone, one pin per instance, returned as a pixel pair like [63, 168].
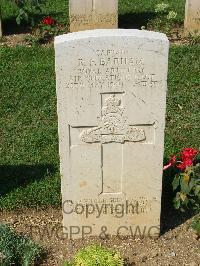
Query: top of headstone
[110, 32]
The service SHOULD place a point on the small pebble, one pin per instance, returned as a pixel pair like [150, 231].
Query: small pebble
[173, 254]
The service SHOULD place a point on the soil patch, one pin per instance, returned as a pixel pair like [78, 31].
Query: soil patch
[179, 246]
[176, 37]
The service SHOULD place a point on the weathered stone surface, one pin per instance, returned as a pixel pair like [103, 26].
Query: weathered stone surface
[93, 14]
[192, 16]
[111, 92]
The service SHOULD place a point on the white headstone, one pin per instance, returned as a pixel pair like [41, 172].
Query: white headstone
[192, 16]
[111, 93]
[93, 14]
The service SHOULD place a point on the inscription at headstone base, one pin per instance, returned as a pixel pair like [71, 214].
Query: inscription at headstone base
[111, 101]
[93, 14]
[192, 16]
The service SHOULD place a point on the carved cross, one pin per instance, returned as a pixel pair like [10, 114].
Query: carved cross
[112, 132]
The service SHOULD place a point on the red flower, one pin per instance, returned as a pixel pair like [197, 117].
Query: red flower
[48, 21]
[188, 153]
[187, 162]
[187, 157]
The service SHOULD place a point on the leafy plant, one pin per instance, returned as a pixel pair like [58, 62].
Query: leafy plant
[186, 182]
[161, 8]
[171, 15]
[45, 31]
[166, 18]
[17, 249]
[26, 10]
[96, 255]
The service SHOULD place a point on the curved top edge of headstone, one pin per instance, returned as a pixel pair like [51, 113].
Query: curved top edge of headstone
[110, 33]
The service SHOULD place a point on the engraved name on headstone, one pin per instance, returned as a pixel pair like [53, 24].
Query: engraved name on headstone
[93, 14]
[111, 94]
[192, 16]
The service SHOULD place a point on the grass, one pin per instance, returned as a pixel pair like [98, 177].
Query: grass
[183, 99]
[29, 161]
[132, 13]
[29, 142]
[196, 225]
[17, 249]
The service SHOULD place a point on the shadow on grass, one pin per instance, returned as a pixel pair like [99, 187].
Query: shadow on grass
[12, 177]
[135, 20]
[10, 25]
[170, 217]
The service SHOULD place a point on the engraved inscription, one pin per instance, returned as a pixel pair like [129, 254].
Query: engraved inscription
[192, 19]
[197, 16]
[113, 126]
[93, 16]
[93, 19]
[194, 16]
[111, 68]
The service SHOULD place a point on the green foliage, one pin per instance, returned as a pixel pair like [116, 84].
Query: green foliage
[172, 15]
[193, 38]
[187, 185]
[161, 8]
[56, 8]
[186, 182]
[145, 6]
[16, 249]
[96, 255]
[136, 11]
[45, 33]
[26, 10]
[196, 225]
[165, 20]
